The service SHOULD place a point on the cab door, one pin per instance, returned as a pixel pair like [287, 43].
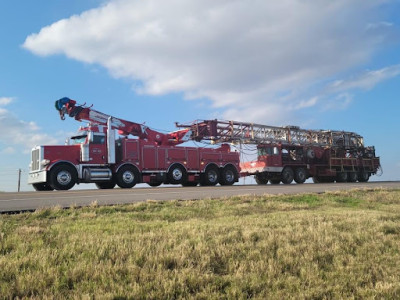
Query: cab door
[275, 157]
[97, 148]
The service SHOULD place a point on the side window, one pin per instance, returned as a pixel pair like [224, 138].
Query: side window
[98, 139]
[269, 151]
[276, 151]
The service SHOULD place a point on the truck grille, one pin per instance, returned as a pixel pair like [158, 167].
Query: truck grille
[35, 159]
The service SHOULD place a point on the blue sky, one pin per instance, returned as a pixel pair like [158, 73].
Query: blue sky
[317, 64]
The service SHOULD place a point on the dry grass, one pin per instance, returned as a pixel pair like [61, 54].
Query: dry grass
[334, 245]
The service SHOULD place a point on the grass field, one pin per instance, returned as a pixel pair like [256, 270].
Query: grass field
[332, 245]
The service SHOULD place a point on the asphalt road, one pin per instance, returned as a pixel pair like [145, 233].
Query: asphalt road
[14, 202]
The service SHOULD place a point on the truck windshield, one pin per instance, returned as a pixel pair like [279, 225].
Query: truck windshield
[79, 139]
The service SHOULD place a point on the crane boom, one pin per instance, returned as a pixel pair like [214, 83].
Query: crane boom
[81, 113]
[218, 131]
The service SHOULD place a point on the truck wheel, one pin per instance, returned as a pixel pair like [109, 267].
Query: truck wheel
[341, 177]
[363, 176]
[63, 177]
[210, 176]
[316, 179]
[274, 181]
[228, 176]
[42, 187]
[352, 177]
[189, 183]
[260, 179]
[287, 175]
[300, 175]
[127, 177]
[105, 185]
[177, 174]
[155, 183]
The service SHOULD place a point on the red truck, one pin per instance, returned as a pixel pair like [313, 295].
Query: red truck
[96, 155]
[284, 154]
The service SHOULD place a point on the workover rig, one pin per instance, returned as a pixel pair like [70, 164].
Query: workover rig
[96, 155]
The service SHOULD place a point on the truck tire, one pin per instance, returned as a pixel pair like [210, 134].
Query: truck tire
[228, 176]
[260, 179]
[300, 175]
[127, 177]
[210, 176]
[105, 185]
[275, 181]
[155, 183]
[190, 183]
[63, 177]
[342, 177]
[177, 174]
[352, 177]
[287, 175]
[363, 176]
[42, 187]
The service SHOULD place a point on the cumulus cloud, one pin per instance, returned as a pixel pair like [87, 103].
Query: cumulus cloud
[19, 134]
[253, 57]
[6, 100]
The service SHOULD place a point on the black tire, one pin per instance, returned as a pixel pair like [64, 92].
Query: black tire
[210, 176]
[190, 183]
[63, 177]
[316, 179]
[300, 175]
[342, 177]
[260, 179]
[127, 177]
[177, 174]
[287, 175]
[275, 181]
[228, 176]
[42, 187]
[105, 185]
[154, 184]
[363, 176]
[352, 177]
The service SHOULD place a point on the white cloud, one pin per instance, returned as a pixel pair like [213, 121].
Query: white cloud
[6, 100]
[19, 135]
[244, 56]
[367, 80]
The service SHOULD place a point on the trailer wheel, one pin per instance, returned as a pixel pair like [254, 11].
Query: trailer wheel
[363, 176]
[42, 187]
[63, 177]
[210, 176]
[260, 179]
[105, 185]
[177, 174]
[342, 177]
[316, 179]
[352, 177]
[127, 177]
[287, 175]
[228, 176]
[300, 175]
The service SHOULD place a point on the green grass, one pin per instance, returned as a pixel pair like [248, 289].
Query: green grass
[331, 245]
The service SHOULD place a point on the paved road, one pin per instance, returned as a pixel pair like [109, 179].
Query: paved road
[32, 200]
